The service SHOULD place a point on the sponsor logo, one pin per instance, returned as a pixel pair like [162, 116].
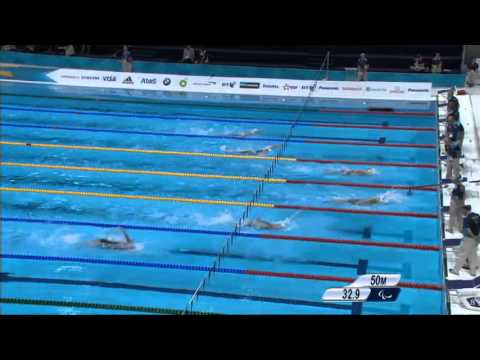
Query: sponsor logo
[474, 301]
[290, 87]
[418, 90]
[109, 78]
[167, 81]
[308, 87]
[90, 77]
[148, 81]
[70, 77]
[212, 82]
[397, 90]
[183, 83]
[229, 84]
[249, 85]
[352, 88]
[128, 80]
[201, 84]
[270, 86]
[368, 88]
[327, 87]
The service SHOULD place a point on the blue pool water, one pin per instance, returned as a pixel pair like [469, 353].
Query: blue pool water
[175, 241]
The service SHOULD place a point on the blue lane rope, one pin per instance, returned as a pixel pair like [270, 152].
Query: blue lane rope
[187, 117]
[119, 262]
[32, 126]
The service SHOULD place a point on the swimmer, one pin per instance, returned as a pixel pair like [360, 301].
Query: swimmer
[260, 224]
[115, 245]
[260, 152]
[359, 172]
[375, 200]
[248, 133]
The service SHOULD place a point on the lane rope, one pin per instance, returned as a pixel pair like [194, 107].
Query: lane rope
[219, 176]
[216, 155]
[315, 277]
[220, 202]
[225, 233]
[99, 306]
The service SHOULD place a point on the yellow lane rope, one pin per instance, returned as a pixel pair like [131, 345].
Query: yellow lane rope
[145, 151]
[146, 172]
[136, 197]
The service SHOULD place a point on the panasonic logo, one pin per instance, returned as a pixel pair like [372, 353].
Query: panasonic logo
[418, 90]
[327, 88]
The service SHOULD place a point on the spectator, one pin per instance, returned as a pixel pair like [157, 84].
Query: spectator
[85, 49]
[473, 76]
[362, 67]
[30, 48]
[457, 206]
[188, 55]
[469, 247]
[437, 63]
[69, 50]
[9, 48]
[127, 64]
[203, 57]
[418, 64]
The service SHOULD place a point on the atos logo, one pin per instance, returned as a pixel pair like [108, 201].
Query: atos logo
[167, 81]
[148, 81]
[109, 78]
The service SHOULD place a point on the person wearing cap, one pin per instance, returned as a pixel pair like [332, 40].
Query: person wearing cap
[453, 160]
[457, 206]
[437, 63]
[362, 67]
[469, 246]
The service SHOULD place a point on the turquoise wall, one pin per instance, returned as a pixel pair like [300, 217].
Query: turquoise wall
[438, 80]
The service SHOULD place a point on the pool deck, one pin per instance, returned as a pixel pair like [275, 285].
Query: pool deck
[464, 284]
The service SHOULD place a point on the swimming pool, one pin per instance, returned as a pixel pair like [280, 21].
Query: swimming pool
[76, 164]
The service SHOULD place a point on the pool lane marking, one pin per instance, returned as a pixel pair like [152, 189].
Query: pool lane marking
[216, 155]
[262, 236]
[315, 277]
[217, 176]
[326, 140]
[373, 112]
[177, 291]
[103, 306]
[313, 123]
[221, 202]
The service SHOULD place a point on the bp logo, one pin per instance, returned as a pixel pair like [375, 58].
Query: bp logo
[166, 81]
[183, 83]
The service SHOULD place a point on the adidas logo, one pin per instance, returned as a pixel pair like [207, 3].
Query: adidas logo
[128, 80]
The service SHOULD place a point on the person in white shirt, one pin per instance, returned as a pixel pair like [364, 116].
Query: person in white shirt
[127, 64]
[9, 47]
[437, 63]
[188, 55]
[69, 50]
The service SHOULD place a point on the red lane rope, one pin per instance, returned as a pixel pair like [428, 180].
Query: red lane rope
[376, 163]
[380, 127]
[402, 113]
[377, 186]
[358, 143]
[337, 278]
[358, 211]
[352, 242]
